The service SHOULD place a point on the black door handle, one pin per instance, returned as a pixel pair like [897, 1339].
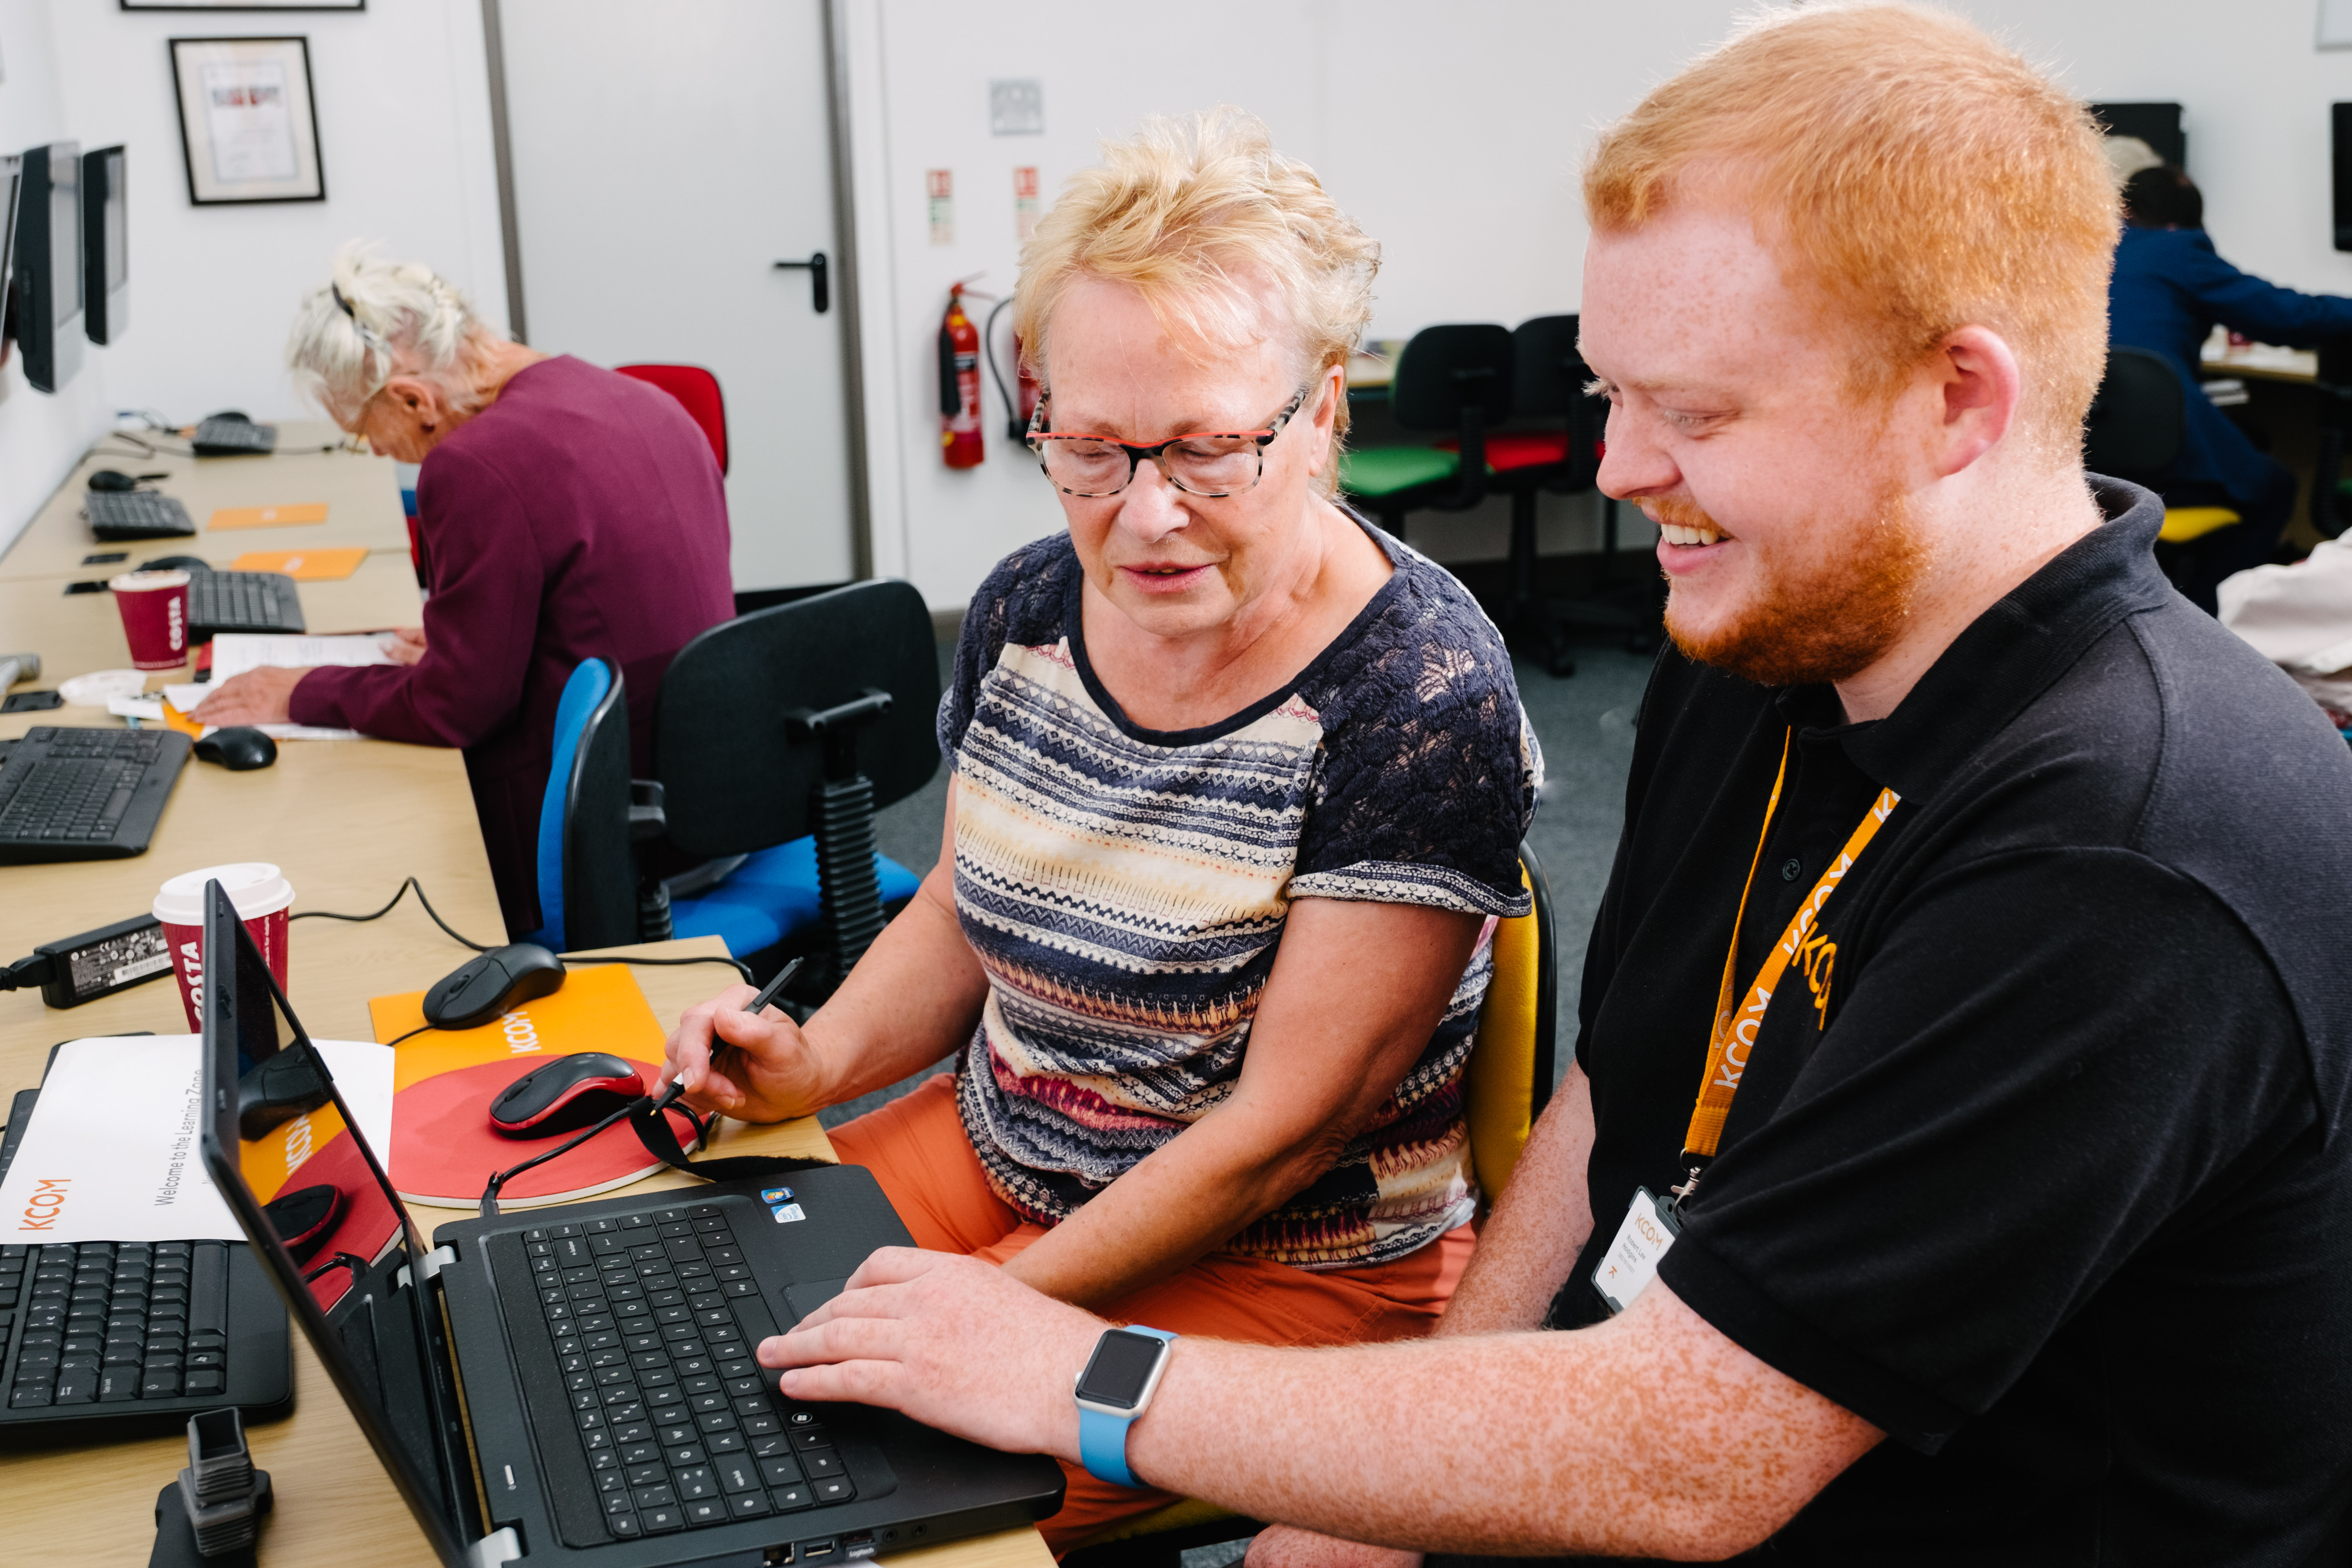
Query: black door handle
[820, 295]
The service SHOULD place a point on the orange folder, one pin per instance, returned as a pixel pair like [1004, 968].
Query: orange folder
[268, 516]
[303, 565]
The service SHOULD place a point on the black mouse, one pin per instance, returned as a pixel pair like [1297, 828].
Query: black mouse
[305, 1218]
[480, 989]
[568, 1093]
[238, 748]
[175, 563]
[112, 479]
[237, 415]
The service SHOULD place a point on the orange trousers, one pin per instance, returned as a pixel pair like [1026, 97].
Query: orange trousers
[917, 1148]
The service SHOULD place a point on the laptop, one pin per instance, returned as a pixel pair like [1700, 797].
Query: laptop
[576, 1384]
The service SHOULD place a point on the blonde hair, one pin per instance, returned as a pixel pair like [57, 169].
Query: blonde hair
[376, 319]
[1191, 213]
[1917, 174]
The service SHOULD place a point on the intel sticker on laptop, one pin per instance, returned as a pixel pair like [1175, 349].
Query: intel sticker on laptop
[787, 1213]
[777, 1196]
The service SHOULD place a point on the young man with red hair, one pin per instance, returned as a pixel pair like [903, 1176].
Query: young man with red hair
[1951, 1169]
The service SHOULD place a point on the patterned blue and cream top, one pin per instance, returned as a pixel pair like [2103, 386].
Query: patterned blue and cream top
[1125, 889]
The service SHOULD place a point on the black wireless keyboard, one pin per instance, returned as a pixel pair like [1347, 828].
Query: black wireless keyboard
[241, 602]
[137, 514]
[85, 794]
[219, 438]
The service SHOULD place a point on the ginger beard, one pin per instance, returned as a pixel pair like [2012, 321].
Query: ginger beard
[1821, 616]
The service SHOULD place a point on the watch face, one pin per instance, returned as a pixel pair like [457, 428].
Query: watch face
[1123, 1364]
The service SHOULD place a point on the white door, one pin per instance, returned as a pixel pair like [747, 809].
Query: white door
[666, 158]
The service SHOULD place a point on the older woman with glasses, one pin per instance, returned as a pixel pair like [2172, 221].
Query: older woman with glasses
[563, 512]
[1238, 787]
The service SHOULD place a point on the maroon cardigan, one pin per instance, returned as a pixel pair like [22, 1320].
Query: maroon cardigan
[580, 514]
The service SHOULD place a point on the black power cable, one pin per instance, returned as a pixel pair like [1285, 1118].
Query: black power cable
[407, 883]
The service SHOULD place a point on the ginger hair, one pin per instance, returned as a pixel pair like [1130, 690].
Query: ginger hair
[1198, 214]
[1910, 171]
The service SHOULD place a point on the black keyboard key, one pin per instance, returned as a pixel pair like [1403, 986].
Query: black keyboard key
[640, 1454]
[709, 1510]
[707, 1224]
[679, 1459]
[200, 1360]
[821, 1462]
[808, 1436]
[833, 1489]
[207, 1288]
[789, 1500]
[780, 1471]
[725, 1443]
[77, 1387]
[656, 1496]
[160, 1384]
[696, 1481]
[662, 1521]
[204, 1381]
[748, 1505]
[623, 1526]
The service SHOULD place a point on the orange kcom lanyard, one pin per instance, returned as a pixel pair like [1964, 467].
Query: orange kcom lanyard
[1735, 1031]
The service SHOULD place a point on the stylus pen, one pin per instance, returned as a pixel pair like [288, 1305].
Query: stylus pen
[759, 1004]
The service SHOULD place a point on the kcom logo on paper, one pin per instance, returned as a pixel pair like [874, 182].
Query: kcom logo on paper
[41, 1209]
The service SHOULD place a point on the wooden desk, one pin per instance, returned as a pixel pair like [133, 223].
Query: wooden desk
[2261, 362]
[77, 633]
[362, 495]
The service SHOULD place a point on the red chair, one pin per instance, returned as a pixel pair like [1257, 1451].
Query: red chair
[698, 389]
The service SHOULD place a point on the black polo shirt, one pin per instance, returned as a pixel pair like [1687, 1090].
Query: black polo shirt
[2055, 1189]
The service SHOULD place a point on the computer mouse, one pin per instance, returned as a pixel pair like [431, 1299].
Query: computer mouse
[568, 1093]
[305, 1218]
[481, 988]
[112, 479]
[238, 415]
[238, 748]
[175, 563]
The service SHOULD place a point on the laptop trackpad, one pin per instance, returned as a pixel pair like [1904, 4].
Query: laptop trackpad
[807, 1297]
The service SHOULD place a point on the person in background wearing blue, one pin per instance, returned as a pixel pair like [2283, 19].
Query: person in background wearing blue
[2168, 290]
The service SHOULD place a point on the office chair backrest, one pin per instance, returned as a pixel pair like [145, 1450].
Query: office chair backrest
[735, 777]
[1549, 383]
[2136, 423]
[587, 877]
[1510, 1077]
[1445, 370]
[698, 390]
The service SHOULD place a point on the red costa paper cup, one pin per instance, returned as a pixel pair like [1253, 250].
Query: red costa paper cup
[262, 896]
[154, 609]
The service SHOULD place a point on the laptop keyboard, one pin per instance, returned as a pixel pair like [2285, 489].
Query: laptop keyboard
[108, 1322]
[653, 1318]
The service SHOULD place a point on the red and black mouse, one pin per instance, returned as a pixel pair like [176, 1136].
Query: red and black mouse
[305, 1218]
[566, 1094]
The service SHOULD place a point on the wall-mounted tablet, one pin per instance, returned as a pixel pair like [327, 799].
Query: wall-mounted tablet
[48, 264]
[105, 250]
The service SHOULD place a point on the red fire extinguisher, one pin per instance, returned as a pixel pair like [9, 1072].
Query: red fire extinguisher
[1021, 406]
[959, 442]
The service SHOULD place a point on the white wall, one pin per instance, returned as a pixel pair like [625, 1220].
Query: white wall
[41, 436]
[404, 136]
[1453, 135]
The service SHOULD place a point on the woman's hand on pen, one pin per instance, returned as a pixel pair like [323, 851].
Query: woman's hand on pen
[256, 696]
[753, 1069]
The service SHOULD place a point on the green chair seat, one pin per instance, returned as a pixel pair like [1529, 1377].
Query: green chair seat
[1378, 471]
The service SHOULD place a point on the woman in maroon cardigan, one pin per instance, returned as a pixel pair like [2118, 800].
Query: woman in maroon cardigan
[564, 512]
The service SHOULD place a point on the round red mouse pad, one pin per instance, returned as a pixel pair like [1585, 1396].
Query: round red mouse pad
[444, 1150]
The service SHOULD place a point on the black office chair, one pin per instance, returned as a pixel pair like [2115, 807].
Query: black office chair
[2133, 431]
[790, 722]
[2331, 491]
[1455, 378]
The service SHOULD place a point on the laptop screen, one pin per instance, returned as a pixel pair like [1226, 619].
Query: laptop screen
[284, 1151]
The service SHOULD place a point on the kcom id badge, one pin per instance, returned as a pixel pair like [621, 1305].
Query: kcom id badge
[1632, 1261]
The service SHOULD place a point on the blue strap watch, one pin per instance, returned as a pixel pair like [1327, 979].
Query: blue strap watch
[1115, 1388]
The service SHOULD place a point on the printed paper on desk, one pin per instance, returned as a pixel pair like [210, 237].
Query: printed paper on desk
[303, 565]
[268, 516]
[234, 653]
[111, 1152]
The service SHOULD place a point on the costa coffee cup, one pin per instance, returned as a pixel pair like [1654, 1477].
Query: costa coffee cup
[154, 610]
[262, 896]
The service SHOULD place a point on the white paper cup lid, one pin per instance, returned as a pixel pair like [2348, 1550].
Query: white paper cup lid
[92, 690]
[254, 887]
[146, 582]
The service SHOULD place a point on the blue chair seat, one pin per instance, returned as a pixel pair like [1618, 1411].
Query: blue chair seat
[771, 896]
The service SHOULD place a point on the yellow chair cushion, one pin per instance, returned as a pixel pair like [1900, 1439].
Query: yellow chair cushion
[2183, 524]
[1503, 1063]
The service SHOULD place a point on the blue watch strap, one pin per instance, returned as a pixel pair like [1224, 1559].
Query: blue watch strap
[1102, 1437]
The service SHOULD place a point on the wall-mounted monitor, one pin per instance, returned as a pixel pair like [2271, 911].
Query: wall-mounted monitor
[48, 264]
[2158, 125]
[2340, 127]
[105, 250]
[9, 178]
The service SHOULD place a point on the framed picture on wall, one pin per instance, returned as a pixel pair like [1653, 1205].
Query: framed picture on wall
[243, 4]
[248, 124]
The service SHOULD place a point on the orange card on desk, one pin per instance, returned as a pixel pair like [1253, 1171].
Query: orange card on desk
[268, 516]
[443, 1146]
[303, 565]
